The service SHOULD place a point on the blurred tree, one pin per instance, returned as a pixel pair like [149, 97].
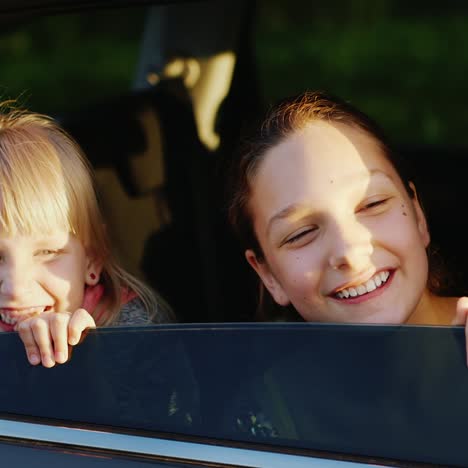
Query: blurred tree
[403, 68]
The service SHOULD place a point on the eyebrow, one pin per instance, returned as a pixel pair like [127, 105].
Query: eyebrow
[285, 213]
[295, 207]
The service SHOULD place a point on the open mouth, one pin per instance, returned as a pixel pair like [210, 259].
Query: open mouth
[10, 317]
[376, 282]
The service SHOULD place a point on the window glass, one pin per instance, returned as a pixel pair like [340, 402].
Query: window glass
[369, 391]
[402, 62]
[63, 62]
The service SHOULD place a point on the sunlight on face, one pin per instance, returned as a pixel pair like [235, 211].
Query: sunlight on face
[41, 272]
[342, 239]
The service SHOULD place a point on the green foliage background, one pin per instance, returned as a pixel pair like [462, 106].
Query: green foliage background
[63, 62]
[403, 62]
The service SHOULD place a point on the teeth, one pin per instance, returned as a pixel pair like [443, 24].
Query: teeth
[371, 286]
[361, 289]
[367, 287]
[6, 317]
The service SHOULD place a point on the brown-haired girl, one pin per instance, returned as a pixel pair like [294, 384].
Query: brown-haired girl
[330, 221]
[57, 274]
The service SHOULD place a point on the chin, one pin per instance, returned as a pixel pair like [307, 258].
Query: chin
[389, 318]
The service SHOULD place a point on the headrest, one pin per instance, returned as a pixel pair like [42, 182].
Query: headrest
[146, 167]
[126, 135]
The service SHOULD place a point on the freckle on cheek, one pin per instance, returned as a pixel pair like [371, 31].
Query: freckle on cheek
[404, 213]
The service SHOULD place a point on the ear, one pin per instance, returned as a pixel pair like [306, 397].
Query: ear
[271, 283]
[93, 271]
[420, 217]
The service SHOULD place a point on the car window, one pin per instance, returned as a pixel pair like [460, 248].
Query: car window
[342, 390]
[402, 64]
[356, 393]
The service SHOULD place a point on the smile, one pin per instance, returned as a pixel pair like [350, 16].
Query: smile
[12, 316]
[370, 285]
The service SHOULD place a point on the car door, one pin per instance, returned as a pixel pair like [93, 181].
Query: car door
[243, 395]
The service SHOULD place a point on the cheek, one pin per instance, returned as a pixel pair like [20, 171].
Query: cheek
[65, 281]
[300, 272]
[400, 236]
[398, 230]
[66, 270]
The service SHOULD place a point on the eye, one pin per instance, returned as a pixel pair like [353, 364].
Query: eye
[304, 236]
[374, 205]
[47, 253]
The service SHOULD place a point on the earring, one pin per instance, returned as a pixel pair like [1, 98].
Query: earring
[92, 279]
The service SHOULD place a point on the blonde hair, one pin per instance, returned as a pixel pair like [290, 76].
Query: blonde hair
[45, 184]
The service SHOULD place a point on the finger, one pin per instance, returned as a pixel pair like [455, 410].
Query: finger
[26, 335]
[80, 321]
[461, 314]
[466, 343]
[59, 333]
[41, 333]
[461, 311]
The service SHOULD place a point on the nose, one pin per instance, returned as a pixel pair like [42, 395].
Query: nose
[351, 246]
[15, 281]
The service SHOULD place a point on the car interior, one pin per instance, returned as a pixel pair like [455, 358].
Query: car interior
[158, 155]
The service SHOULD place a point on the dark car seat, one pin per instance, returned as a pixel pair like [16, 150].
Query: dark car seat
[154, 178]
[160, 187]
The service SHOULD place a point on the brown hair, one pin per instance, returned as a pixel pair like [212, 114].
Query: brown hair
[287, 117]
[45, 184]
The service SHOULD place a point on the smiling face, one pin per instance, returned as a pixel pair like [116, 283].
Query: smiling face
[41, 273]
[52, 239]
[342, 239]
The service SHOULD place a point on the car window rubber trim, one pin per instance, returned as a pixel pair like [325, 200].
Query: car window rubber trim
[168, 449]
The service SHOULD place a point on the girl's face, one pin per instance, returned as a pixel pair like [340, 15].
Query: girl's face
[343, 241]
[41, 273]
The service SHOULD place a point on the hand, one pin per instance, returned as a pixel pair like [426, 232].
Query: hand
[461, 318]
[47, 336]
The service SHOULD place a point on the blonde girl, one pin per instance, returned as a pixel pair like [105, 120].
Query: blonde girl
[57, 273]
